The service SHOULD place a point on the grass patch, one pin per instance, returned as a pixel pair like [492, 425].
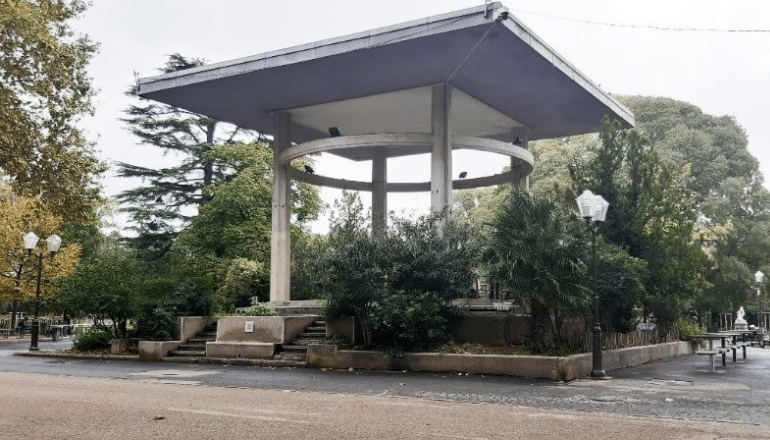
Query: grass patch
[475, 348]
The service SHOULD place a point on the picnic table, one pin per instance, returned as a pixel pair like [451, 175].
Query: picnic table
[723, 337]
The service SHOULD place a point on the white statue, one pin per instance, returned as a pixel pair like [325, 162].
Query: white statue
[740, 323]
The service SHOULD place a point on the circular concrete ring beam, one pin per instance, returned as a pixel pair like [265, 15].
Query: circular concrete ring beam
[522, 159]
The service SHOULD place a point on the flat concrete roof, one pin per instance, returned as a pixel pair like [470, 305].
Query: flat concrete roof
[379, 81]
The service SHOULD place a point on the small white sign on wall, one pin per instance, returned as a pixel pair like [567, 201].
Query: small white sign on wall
[249, 328]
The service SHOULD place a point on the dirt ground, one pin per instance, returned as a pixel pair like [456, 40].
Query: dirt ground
[58, 407]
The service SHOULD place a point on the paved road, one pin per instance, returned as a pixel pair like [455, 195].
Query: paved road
[656, 393]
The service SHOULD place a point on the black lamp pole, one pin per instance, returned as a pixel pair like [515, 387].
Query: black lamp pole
[30, 242]
[593, 208]
[35, 320]
[597, 370]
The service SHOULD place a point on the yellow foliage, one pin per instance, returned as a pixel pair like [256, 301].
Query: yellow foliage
[18, 269]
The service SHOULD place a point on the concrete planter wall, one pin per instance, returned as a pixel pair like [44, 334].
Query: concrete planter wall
[152, 351]
[187, 327]
[234, 341]
[548, 367]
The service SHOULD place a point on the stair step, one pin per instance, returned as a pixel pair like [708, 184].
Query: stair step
[319, 328]
[239, 361]
[199, 340]
[312, 335]
[291, 359]
[201, 353]
[196, 347]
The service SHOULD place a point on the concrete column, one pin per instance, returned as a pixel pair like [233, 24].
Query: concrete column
[379, 194]
[441, 155]
[522, 133]
[280, 239]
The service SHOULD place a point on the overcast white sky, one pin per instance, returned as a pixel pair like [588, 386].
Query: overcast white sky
[724, 73]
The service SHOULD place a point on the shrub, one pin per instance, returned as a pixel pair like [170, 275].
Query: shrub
[404, 321]
[153, 324]
[192, 297]
[687, 329]
[260, 309]
[93, 341]
[244, 280]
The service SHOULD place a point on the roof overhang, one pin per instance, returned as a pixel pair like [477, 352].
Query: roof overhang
[379, 81]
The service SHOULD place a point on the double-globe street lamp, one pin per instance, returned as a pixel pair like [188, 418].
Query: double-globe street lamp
[593, 208]
[30, 242]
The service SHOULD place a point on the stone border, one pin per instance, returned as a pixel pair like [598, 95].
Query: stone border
[547, 367]
[535, 367]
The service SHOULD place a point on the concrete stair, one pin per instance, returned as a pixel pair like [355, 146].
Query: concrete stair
[195, 348]
[297, 350]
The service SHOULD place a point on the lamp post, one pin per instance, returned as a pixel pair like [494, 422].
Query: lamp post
[593, 208]
[759, 277]
[30, 242]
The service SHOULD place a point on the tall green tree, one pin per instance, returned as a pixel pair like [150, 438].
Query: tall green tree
[715, 147]
[235, 224]
[170, 196]
[44, 91]
[653, 216]
[538, 247]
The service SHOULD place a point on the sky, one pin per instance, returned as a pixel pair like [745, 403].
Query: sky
[626, 47]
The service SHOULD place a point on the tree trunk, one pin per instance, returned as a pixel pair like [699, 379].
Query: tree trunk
[208, 165]
[539, 323]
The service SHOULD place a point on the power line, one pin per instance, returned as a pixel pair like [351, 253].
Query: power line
[655, 28]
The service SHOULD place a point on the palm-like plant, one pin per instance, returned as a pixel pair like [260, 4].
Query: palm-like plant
[538, 247]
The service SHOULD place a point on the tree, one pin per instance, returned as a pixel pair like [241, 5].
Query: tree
[715, 147]
[106, 287]
[653, 216]
[236, 221]
[538, 248]
[170, 196]
[245, 279]
[44, 91]
[433, 255]
[18, 274]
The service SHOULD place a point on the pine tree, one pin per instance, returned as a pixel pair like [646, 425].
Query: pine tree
[170, 196]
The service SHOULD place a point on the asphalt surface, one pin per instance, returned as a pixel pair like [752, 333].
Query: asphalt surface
[676, 392]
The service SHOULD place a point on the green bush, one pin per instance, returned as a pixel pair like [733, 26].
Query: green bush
[192, 297]
[244, 280]
[405, 321]
[153, 324]
[93, 341]
[260, 309]
[688, 329]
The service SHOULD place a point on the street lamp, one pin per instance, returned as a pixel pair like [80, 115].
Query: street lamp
[593, 208]
[759, 277]
[30, 242]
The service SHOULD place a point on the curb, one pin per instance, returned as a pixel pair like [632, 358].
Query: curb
[115, 357]
[120, 357]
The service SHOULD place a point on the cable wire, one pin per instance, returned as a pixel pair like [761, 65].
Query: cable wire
[650, 27]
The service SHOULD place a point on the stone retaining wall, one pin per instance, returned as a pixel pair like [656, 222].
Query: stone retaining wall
[548, 367]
